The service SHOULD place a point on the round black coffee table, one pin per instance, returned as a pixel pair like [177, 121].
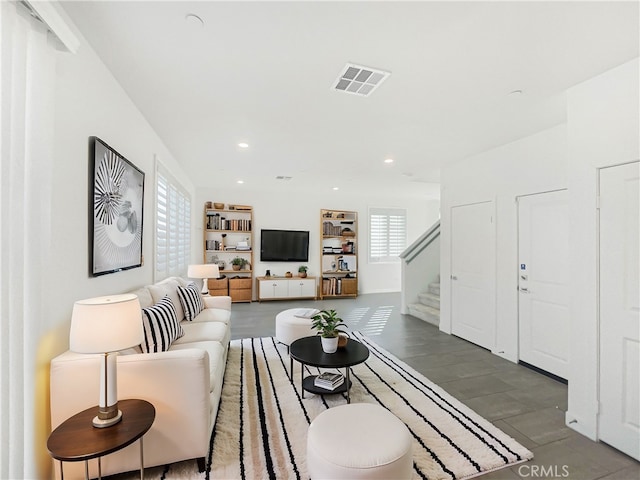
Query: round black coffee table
[308, 351]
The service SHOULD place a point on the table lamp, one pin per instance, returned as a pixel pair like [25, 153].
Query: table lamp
[205, 271]
[106, 325]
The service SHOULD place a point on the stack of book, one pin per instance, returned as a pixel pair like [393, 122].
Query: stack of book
[243, 246]
[328, 380]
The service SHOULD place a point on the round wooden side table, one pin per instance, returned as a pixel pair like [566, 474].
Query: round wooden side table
[76, 439]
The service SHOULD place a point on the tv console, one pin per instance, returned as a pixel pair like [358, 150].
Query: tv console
[285, 288]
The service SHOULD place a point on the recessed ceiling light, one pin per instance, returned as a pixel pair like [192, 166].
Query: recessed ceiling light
[243, 145]
[335, 188]
[193, 19]
[388, 160]
[240, 181]
[515, 93]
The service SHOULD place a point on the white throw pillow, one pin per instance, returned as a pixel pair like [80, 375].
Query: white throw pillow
[191, 301]
[161, 326]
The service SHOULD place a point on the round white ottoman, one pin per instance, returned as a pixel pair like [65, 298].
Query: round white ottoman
[293, 324]
[358, 440]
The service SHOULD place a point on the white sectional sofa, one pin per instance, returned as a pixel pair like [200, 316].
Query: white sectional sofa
[183, 384]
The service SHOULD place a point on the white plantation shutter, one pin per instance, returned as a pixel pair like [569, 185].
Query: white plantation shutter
[173, 227]
[387, 234]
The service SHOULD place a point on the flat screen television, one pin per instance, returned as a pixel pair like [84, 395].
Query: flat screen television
[284, 246]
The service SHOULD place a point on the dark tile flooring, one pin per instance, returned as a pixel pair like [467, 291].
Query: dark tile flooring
[526, 405]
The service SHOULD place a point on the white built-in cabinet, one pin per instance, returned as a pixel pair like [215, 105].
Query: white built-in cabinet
[280, 288]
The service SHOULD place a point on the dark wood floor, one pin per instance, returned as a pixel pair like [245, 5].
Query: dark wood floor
[525, 404]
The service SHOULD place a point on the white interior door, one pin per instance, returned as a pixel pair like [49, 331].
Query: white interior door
[619, 419]
[473, 273]
[543, 273]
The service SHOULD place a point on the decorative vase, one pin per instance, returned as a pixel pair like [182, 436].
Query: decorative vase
[235, 267]
[329, 345]
[302, 274]
[288, 274]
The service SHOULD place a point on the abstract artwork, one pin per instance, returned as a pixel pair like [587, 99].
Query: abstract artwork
[117, 199]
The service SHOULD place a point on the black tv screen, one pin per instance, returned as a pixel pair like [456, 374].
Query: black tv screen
[284, 246]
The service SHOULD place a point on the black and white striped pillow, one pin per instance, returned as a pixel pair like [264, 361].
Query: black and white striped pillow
[161, 326]
[191, 300]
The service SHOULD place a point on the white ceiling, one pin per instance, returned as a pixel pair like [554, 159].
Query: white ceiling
[261, 72]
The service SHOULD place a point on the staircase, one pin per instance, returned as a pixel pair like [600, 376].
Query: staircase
[428, 308]
[421, 265]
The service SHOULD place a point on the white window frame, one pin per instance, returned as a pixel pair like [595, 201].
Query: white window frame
[172, 226]
[387, 234]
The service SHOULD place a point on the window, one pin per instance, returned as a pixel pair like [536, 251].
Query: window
[387, 234]
[173, 226]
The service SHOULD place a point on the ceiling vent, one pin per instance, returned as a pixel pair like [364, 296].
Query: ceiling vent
[283, 177]
[359, 80]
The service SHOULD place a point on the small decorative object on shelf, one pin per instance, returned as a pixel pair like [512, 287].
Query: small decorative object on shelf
[288, 274]
[239, 263]
[326, 322]
[302, 271]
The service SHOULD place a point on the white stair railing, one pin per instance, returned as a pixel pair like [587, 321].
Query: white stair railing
[420, 265]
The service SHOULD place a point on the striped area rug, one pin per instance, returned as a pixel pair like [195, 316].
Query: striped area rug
[262, 424]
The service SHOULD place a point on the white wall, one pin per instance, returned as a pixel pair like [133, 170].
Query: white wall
[603, 130]
[88, 101]
[533, 164]
[298, 211]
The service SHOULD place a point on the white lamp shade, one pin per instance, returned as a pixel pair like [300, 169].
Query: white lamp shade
[106, 324]
[207, 270]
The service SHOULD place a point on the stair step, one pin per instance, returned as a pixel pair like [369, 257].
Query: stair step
[434, 288]
[430, 299]
[424, 312]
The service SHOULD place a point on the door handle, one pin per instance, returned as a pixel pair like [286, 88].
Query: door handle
[524, 290]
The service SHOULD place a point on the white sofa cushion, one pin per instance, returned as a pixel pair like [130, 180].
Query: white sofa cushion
[203, 331]
[161, 326]
[213, 315]
[191, 301]
[144, 296]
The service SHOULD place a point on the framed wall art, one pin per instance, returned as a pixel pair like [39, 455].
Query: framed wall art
[116, 210]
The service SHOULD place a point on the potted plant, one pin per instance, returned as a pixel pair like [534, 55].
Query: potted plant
[302, 271]
[238, 263]
[326, 322]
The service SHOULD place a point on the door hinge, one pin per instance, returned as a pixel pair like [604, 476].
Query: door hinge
[598, 202]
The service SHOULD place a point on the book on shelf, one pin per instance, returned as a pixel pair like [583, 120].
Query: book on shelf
[332, 286]
[328, 380]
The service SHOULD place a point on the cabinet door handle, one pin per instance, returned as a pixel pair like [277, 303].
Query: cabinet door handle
[453, 277]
